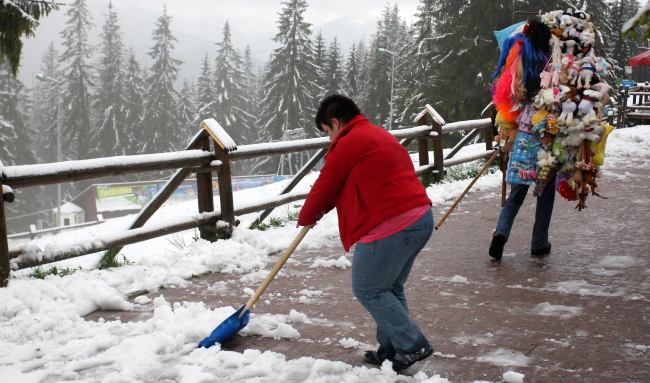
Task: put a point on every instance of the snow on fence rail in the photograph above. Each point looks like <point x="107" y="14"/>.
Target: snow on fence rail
<point x="199" y="158"/>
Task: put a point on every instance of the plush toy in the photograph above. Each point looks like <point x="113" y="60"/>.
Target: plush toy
<point x="571" y="46"/>
<point x="599" y="156"/>
<point x="551" y="124"/>
<point x="506" y="137"/>
<point x="573" y="133"/>
<point x="586" y="106"/>
<point x="587" y="70"/>
<point x="592" y="133"/>
<point x="548" y="99"/>
<point x="566" y="23"/>
<point x="569" y="105"/>
<point x="572" y="66"/>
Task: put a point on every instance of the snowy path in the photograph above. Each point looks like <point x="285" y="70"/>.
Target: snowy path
<point x="577" y="315"/>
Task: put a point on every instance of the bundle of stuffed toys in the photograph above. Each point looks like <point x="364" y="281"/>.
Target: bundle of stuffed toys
<point x="549" y="103"/>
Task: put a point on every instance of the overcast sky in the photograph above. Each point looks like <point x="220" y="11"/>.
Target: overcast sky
<point x="198" y="24"/>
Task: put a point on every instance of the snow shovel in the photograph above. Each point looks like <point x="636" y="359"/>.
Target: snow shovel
<point x="494" y="156"/>
<point x="240" y="318"/>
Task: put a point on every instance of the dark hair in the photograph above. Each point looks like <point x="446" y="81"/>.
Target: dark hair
<point x="335" y="106"/>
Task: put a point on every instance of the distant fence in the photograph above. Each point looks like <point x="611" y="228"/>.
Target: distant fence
<point x="210" y="150"/>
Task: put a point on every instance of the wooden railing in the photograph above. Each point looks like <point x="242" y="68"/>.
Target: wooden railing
<point x="210" y="150"/>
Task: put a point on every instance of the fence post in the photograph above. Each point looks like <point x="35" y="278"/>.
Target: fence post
<point x="438" y="158"/>
<point x="204" y="193"/>
<point x="225" y="191"/>
<point x="5" y="266"/>
<point x="423" y="152"/>
<point x="490" y="113"/>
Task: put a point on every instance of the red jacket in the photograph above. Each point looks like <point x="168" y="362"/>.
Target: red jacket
<point x="368" y="176"/>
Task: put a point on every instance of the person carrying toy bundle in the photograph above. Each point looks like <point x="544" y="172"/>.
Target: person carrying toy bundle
<point x="383" y="208"/>
<point x="549" y="101"/>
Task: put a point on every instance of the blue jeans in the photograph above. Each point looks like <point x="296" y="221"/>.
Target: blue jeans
<point x="379" y="271"/>
<point x="543" y="213"/>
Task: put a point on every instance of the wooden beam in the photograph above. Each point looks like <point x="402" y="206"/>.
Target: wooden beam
<point x="438" y="161"/>
<point x="225" y="193"/>
<point x="204" y="193"/>
<point x="49" y="174"/>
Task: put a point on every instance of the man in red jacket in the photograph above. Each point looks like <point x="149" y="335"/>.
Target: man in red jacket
<point x="383" y="208"/>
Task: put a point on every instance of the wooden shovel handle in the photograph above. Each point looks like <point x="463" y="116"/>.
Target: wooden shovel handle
<point x="276" y="268"/>
<point x="494" y="156"/>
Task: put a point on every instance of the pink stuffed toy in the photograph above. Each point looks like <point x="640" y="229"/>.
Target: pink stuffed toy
<point x="572" y="67"/>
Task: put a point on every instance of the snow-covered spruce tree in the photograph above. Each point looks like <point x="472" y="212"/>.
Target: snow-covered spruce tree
<point x="289" y="83"/>
<point x="186" y="108"/>
<point x="362" y="55"/>
<point x="352" y="73"/>
<point x="229" y="89"/>
<point x="320" y="59"/>
<point x="15" y="146"/>
<point x="418" y="70"/>
<point x="333" y="71"/>
<point x="160" y="124"/>
<point x="78" y="75"/>
<point x="391" y="35"/>
<point x="623" y="47"/>
<point x="205" y="93"/>
<point x="251" y="97"/>
<point x="465" y="54"/>
<point x="44" y="111"/>
<point x="109" y="137"/>
<point x="134" y="104"/>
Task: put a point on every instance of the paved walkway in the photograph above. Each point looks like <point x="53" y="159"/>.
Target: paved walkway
<point x="580" y="314"/>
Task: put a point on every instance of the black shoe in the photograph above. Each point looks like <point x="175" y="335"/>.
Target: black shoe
<point x="398" y="365"/>
<point x="543" y="251"/>
<point x="371" y="357"/>
<point x="496" y="247"/>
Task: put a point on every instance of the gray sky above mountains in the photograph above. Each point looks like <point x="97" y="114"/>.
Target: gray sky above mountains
<point x="198" y="25"/>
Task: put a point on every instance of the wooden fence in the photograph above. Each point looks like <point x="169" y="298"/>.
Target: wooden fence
<point x="638" y="109"/>
<point x="210" y="150"/>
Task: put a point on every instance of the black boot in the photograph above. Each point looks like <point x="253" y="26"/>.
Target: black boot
<point x="543" y="251"/>
<point x="496" y="247"/>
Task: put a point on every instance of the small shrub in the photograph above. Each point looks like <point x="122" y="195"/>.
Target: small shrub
<point x="110" y="262"/>
<point x="41" y="273"/>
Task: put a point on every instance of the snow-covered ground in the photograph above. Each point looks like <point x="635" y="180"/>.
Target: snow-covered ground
<point x="44" y="338"/>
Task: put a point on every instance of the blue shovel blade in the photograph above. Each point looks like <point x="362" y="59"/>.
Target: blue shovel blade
<point x="229" y="327"/>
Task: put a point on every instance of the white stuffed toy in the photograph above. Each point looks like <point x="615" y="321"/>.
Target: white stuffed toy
<point x="592" y="133"/>
<point x="545" y="158"/>
<point x="573" y="133"/>
<point x="566" y="23"/>
<point x="587" y="70"/>
<point x="586" y="106"/>
<point x="569" y="106"/>
<point x="572" y="67"/>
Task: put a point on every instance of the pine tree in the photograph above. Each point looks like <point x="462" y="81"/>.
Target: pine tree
<point x="623" y="47"/>
<point x="352" y="73"/>
<point x="419" y="69"/>
<point x="160" y="122"/>
<point x="392" y="35"/>
<point x="110" y="102"/>
<point x="465" y="58"/>
<point x="79" y="78"/>
<point x="251" y="97"/>
<point x="289" y="83"/>
<point x="333" y="71"/>
<point x="186" y="108"/>
<point x="44" y="116"/>
<point x="229" y="89"/>
<point x="15" y="144"/>
<point x="134" y="104"/>
<point x="205" y="98"/>
<point x="320" y="61"/>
